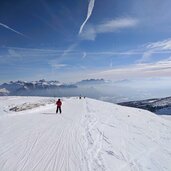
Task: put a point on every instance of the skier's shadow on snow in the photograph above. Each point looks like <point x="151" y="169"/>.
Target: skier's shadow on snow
<point x="49" y="113"/>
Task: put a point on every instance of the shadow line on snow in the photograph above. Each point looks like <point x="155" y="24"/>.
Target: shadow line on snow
<point x="49" y="114"/>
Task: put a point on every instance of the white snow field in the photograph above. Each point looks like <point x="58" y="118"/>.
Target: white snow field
<point x="89" y="135"/>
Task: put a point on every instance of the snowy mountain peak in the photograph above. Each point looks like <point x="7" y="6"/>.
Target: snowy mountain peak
<point x="41" y="87"/>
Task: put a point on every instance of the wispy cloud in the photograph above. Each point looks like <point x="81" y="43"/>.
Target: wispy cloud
<point x="69" y="50"/>
<point x="91" y="31"/>
<point x="35" y="52"/>
<point x="113" y="25"/>
<point x="159" y="47"/>
<point x="11" y="55"/>
<point x="11" y="29"/>
<point x="146" y="56"/>
<point x="158" y="69"/>
<point x="58" y="66"/>
<point x="144" y="52"/>
<point x="84" y="55"/>
<point x="89" y="12"/>
<point x="55" y="63"/>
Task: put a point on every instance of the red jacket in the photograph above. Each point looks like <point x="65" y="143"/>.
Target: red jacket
<point x="59" y="103"/>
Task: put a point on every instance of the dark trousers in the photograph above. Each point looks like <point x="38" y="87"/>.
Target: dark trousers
<point x="58" y="109"/>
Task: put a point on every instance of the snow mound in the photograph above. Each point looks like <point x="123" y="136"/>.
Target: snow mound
<point x="27" y="106"/>
<point x="88" y="135"/>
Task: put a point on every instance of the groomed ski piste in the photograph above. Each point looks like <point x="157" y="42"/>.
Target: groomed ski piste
<point x="89" y="135"/>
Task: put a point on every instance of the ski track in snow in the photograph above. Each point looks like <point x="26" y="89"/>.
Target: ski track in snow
<point x="89" y="135"/>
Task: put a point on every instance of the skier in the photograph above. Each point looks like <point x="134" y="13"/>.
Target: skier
<point x="59" y="104"/>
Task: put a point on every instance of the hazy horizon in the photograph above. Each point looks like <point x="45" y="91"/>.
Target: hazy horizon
<point x="112" y="91"/>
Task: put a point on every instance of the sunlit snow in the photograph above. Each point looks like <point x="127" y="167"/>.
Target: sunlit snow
<point x="89" y="135"/>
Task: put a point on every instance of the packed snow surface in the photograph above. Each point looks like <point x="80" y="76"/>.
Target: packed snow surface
<point x="89" y="135"/>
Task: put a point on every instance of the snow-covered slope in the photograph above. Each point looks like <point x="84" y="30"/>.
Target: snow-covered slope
<point x="160" y="106"/>
<point x="89" y="135"/>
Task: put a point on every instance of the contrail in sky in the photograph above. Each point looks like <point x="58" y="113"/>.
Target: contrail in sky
<point x="9" y="28"/>
<point x="89" y="12"/>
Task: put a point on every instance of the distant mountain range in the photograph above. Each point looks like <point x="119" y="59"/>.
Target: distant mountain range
<point x="92" y="81"/>
<point x="50" y="88"/>
<point x="40" y="87"/>
<point x="157" y="105"/>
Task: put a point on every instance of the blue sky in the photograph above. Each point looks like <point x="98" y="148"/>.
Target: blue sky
<point x="80" y="39"/>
